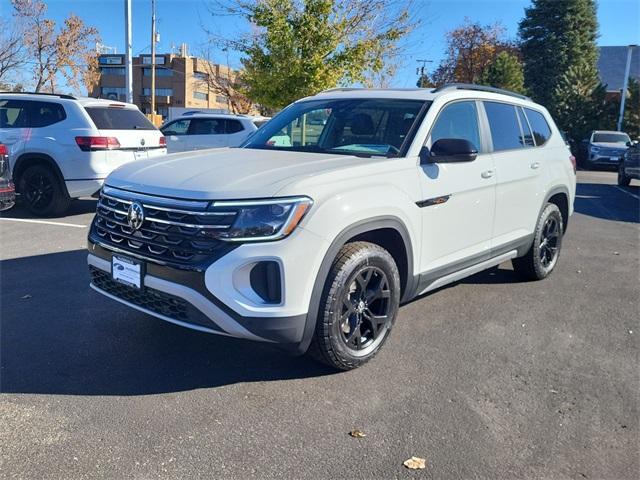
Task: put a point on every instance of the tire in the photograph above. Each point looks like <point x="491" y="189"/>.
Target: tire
<point x="623" y="180"/>
<point x="43" y="192"/>
<point x="542" y="257"/>
<point x="358" y="307"/>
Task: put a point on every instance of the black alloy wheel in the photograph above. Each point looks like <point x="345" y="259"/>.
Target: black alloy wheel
<point x="43" y="192"/>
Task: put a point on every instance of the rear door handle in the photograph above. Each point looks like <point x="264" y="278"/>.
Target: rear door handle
<point x="487" y="174"/>
<point x="535" y="165"/>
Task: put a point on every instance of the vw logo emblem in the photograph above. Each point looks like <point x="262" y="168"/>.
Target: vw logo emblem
<point x="142" y="142"/>
<point x="135" y="215"/>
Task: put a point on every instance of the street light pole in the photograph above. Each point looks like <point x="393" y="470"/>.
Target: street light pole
<point x="153" y="57"/>
<point x="127" y="51"/>
<point x="421" y="71"/>
<point x="625" y="85"/>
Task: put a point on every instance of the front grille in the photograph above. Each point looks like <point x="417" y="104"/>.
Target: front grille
<point x="170" y="235"/>
<point x="150" y="299"/>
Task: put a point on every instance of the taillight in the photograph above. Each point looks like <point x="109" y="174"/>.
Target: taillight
<point x="163" y="141"/>
<point x="572" y="159"/>
<point x="90" y="144"/>
<point x="4" y="150"/>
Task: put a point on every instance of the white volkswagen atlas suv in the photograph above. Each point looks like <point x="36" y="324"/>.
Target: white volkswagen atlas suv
<point x="62" y="147"/>
<point x="377" y="196"/>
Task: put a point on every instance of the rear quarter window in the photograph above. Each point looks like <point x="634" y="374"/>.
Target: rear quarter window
<point x="43" y="114"/>
<point x="111" y="118"/>
<point x="539" y="125"/>
<point x="234" y="126"/>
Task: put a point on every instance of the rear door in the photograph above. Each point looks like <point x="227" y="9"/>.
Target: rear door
<point x="519" y="165"/>
<point x="237" y="132"/>
<point x="207" y="133"/>
<point x="137" y="136"/>
<point x="176" y="133"/>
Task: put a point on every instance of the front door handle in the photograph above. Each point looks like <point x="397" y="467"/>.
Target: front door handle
<point x="535" y="165"/>
<point x="487" y="174"/>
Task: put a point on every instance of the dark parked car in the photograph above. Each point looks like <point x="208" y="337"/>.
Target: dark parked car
<point x="7" y="190"/>
<point x="603" y="149"/>
<point x="630" y="164"/>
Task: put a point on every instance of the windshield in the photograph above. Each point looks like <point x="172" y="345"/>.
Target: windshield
<point x="610" y="138"/>
<point x="363" y="127"/>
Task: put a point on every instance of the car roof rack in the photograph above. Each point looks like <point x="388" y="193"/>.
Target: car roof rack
<point x="480" y="88"/>
<point x="351" y="89"/>
<point x="59" y="95"/>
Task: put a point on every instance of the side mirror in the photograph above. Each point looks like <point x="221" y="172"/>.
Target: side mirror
<point x="449" y="150"/>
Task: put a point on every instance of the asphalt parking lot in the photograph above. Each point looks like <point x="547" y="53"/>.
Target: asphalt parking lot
<point x="488" y="378"/>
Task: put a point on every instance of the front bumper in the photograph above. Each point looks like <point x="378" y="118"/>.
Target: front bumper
<point x="218" y="300"/>
<point x="605" y="159"/>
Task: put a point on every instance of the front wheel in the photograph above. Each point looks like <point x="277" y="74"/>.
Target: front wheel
<point x="623" y="180"/>
<point x="542" y="257"/>
<point x="358" y="307"/>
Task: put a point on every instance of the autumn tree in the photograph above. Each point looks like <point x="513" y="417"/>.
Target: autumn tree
<point x="12" y="52"/>
<point x="631" y="123"/>
<point x="505" y="72"/>
<point x="66" y="51"/>
<point x="301" y="47"/>
<point x="471" y="48"/>
<point x="555" y="36"/>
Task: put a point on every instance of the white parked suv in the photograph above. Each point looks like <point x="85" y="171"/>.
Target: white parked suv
<point x="314" y="245"/>
<point x="199" y="131"/>
<point x="62" y="147"/>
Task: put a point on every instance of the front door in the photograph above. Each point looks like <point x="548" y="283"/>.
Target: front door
<point x="458" y="198"/>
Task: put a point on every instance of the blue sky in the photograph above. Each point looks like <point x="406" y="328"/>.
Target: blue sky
<point x="183" y="20"/>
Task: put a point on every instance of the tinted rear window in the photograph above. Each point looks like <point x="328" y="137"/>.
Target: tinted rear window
<point x="234" y="126"/>
<point x="540" y="127"/>
<point x="119" y="119"/>
<point x="503" y="122"/>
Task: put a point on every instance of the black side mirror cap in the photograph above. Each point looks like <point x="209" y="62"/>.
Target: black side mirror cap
<point x="449" y="150"/>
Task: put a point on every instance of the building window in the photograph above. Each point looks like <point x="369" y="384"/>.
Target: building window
<point x="200" y="76"/>
<point x="200" y="96"/>
<point x="221" y="99"/>
<point x="112" y="92"/>
<point x="160" y="72"/>
<point x="112" y="70"/>
<point x="160" y="92"/>
<point x="115" y="60"/>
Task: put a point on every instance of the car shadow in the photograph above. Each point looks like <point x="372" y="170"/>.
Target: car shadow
<point x="609" y="202"/>
<point x="79" y="206"/>
<point x="58" y="336"/>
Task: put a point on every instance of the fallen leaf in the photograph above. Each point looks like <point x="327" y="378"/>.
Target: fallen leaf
<point x="415" y="463"/>
<point x="25" y="297"/>
<point x="357" y="434"/>
<point x="616" y="253"/>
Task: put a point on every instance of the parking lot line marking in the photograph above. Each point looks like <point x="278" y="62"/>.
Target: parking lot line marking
<point x="629" y="193"/>
<point x="44" y="222"/>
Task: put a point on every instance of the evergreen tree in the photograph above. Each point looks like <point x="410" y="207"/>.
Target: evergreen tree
<point x="631" y="123"/>
<point x="505" y="72"/>
<point x="555" y="36"/>
<point x="580" y="104"/>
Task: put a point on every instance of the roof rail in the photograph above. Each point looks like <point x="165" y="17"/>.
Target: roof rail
<point x="480" y="88"/>
<point x="350" y="89"/>
<point x="59" y="95"/>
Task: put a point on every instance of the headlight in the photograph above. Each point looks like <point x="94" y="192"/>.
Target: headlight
<point x="595" y="149"/>
<point x="260" y="220"/>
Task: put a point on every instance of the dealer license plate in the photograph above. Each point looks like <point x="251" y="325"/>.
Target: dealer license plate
<point x="127" y="271"/>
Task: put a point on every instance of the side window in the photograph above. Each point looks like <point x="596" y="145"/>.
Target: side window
<point x="43" y="114"/>
<point x="179" y="127"/>
<point x="13" y="114"/>
<point x="207" y="126"/>
<point x="540" y="127"/>
<point x="503" y="123"/>
<point x="234" y="126"/>
<point x="458" y="120"/>
<point x="527" y="138"/>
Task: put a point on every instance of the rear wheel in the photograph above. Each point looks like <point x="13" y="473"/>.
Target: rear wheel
<point x="358" y="306"/>
<point x="543" y="255"/>
<point x="43" y="192"/>
<point x="623" y="180"/>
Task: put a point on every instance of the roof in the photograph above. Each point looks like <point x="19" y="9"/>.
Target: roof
<point x="612" y="64"/>
<point x="66" y="98"/>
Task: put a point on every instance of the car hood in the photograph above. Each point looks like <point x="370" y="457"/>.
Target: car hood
<point x="609" y="145"/>
<point x="225" y="173"/>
